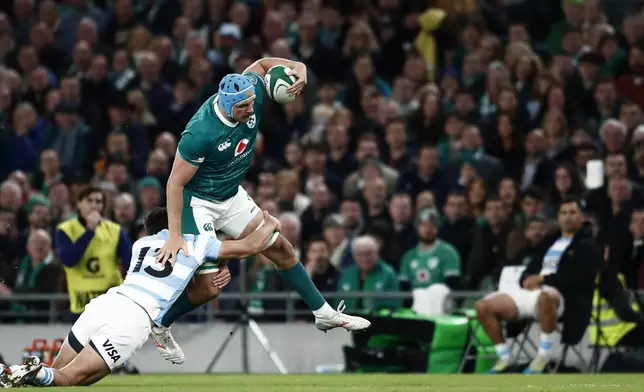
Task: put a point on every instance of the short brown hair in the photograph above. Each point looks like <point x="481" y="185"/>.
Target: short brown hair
<point x="87" y="191"/>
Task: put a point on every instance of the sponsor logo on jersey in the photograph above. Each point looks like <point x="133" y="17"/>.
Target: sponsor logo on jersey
<point x="224" y="145"/>
<point x="241" y="146"/>
<point x="422" y="275"/>
<point x="433" y="262"/>
<point x="111" y="351"/>
<point x="199" y="160"/>
<point x="208" y="227"/>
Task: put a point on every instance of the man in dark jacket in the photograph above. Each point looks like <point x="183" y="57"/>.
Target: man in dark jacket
<point x="557" y="284"/>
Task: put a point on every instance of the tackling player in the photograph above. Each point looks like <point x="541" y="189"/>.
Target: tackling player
<point x="205" y="195"/>
<point x="115" y="325"/>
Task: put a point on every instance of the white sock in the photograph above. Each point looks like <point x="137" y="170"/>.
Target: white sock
<point x="545" y="344"/>
<point x="160" y="329"/>
<point x="502" y="351"/>
<point x="325" y="311"/>
<point x="44" y="377"/>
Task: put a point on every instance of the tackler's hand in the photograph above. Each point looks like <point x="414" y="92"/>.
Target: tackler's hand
<point x="171" y="248"/>
<point x="222" y="277"/>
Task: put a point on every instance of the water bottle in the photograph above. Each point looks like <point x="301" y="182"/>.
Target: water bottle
<point x="330" y="369"/>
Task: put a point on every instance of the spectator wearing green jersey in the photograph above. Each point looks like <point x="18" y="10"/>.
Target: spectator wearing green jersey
<point x="368" y="274"/>
<point x="432" y="261"/>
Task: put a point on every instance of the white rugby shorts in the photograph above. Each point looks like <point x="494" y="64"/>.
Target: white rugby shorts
<point x="114" y="326"/>
<point x="229" y="217"/>
<point x="526" y="300"/>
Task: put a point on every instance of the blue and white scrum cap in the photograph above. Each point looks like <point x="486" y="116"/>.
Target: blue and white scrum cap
<point x="233" y="89"/>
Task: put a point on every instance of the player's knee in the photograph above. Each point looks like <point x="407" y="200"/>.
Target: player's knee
<point x="483" y="308"/>
<point x="547" y="302"/>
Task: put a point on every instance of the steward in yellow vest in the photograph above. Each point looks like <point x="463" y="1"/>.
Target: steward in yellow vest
<point x="615" y="311"/>
<point x="90" y="248"/>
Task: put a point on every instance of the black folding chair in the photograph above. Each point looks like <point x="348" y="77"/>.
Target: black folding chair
<point x="524" y="339"/>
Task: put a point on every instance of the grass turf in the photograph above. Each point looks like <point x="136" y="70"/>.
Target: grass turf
<point x="368" y="383"/>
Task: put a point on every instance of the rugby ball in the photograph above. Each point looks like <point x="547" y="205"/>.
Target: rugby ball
<point x="277" y="81"/>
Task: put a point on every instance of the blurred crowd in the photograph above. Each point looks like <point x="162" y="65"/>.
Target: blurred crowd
<point x="432" y="144"/>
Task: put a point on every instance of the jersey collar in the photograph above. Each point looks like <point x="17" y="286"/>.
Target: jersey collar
<point x="221" y="116"/>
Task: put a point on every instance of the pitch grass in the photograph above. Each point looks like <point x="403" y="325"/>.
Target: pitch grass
<point x="367" y="383"/>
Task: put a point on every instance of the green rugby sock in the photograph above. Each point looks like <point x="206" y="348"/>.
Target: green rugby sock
<point x="299" y="280"/>
<point x="180" y="307"/>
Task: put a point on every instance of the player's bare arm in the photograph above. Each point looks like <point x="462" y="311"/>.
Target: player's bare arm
<point x="298" y="70"/>
<point x="254" y="243"/>
<point x="182" y="172"/>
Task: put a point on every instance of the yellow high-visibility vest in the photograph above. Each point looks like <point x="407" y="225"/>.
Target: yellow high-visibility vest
<point x="98" y="269"/>
<point x="613" y="329"/>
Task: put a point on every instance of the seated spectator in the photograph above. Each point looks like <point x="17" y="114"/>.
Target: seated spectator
<point x="368" y="274"/>
<point x="458" y="224"/>
<point x="556" y="285"/>
<point x="425" y="175"/>
<point x="368" y="155"/>
<point x="627" y="257"/>
<point x="487" y="256"/>
<point x="69" y="137"/>
<point x="432" y="261"/>
<point x="322" y="272"/>
<point x="403" y="233"/>
<point x="38" y="273"/>
<point x="526" y="241"/>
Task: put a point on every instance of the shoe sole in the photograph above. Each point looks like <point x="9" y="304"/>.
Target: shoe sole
<point x="326" y="329"/>
<point x="8" y="380"/>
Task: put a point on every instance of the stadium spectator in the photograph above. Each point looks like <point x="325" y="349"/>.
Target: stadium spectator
<point x="432" y="261"/>
<point x="457" y="227"/>
<point x="322" y="272"/>
<point x="403" y="234"/>
<point x="38" y="272"/>
<point x="368" y="274"/>
<point x="488" y="253"/>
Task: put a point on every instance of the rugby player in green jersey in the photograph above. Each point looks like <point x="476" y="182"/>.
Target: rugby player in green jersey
<point x="205" y="196"/>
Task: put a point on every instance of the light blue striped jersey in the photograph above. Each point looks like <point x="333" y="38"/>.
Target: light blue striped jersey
<point x="155" y="288"/>
<point x="553" y="255"/>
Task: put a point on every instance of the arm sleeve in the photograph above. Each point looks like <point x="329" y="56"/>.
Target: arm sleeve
<point x="70" y="252"/>
<point x="191" y="148"/>
<point x="124" y="249"/>
<point x="212" y="250"/>
<point x="258" y="83"/>
<point x="451" y="263"/>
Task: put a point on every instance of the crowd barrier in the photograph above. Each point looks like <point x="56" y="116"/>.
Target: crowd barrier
<point x="54" y="310"/>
